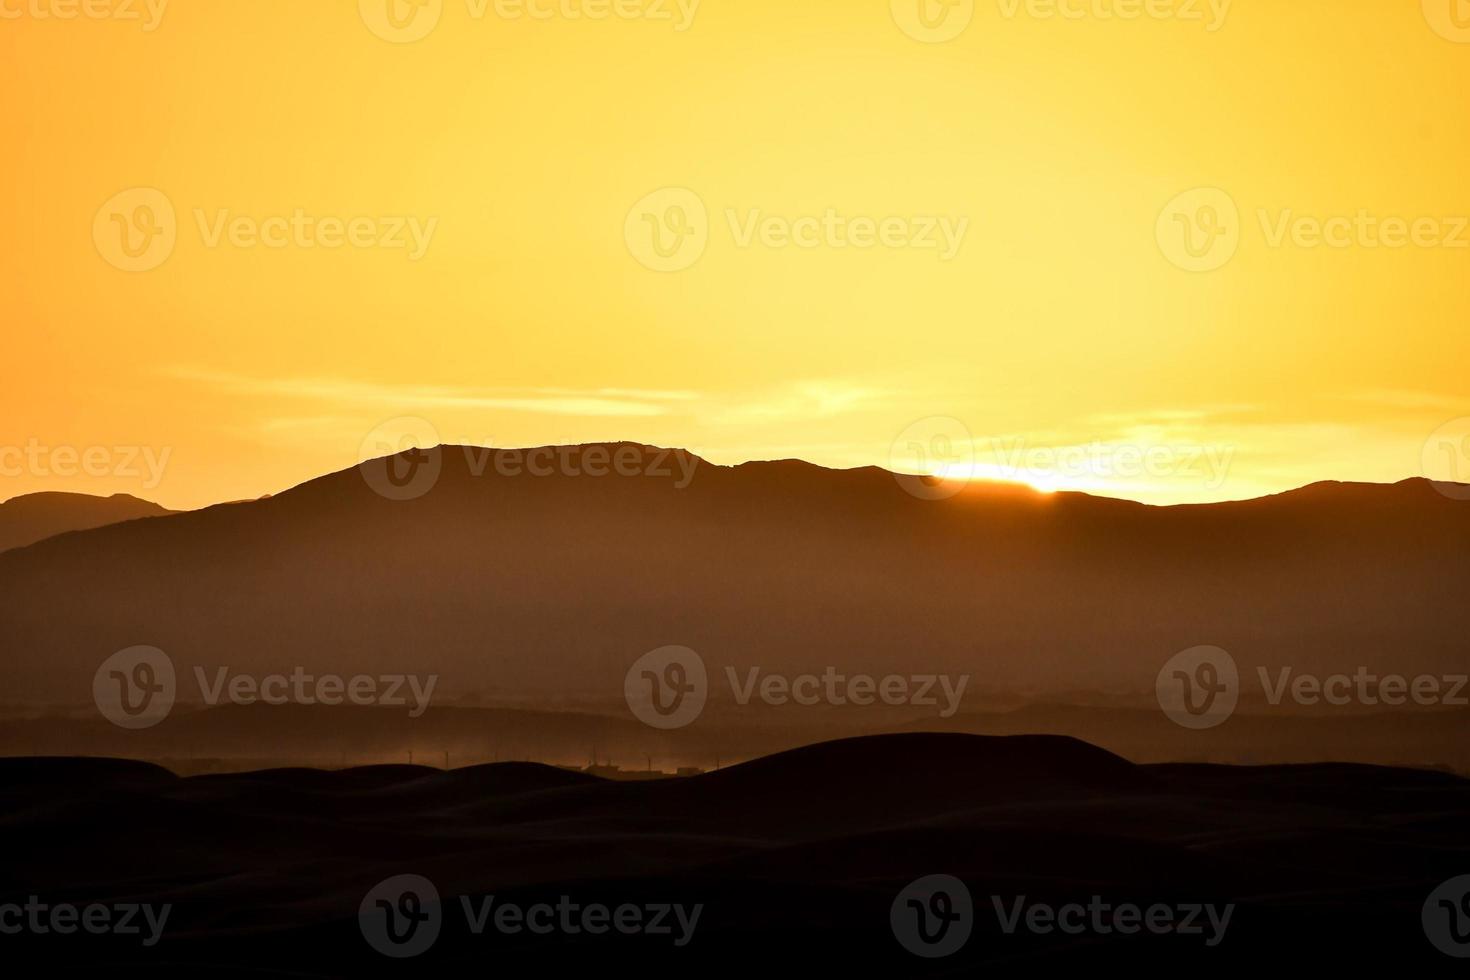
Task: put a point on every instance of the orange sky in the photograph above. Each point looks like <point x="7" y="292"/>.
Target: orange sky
<point x="1210" y="252"/>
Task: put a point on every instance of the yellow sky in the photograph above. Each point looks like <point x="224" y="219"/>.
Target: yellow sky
<point x="1076" y="250"/>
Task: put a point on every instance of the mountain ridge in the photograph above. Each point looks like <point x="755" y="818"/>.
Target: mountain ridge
<point x="523" y="584"/>
<point x="29" y="518"/>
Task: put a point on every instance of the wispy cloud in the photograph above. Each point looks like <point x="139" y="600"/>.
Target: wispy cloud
<point x="597" y="402"/>
<point x="799" y="400"/>
<point x="809" y="399"/>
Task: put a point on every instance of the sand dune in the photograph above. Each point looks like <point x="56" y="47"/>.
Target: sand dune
<point x="801" y="853"/>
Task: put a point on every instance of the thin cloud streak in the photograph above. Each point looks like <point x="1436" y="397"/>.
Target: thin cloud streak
<point x="602" y="402"/>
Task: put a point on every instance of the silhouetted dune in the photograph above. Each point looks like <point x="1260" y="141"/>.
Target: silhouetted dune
<point x="1255" y="733"/>
<point x="357" y="780"/>
<point x="922" y="760"/>
<point x="861" y="784"/>
<point x="479" y="782"/>
<point x="20" y="775"/>
<point x="837" y="783"/>
<point x="797" y="856"/>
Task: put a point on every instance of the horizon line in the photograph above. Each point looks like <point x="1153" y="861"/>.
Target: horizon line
<point x="773" y="461"/>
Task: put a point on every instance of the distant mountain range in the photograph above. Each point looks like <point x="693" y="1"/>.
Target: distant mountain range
<point x="37" y="516"/>
<point x="552" y="585"/>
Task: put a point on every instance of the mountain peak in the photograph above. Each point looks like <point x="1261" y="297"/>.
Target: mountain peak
<point x="33" y="517"/>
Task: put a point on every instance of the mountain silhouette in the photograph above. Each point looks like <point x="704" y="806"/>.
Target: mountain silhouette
<point x="523" y="585"/>
<point x="36" y="516"/>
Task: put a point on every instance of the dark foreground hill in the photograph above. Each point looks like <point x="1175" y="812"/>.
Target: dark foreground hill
<point x="794" y="862"/>
<point x="242" y="737"/>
